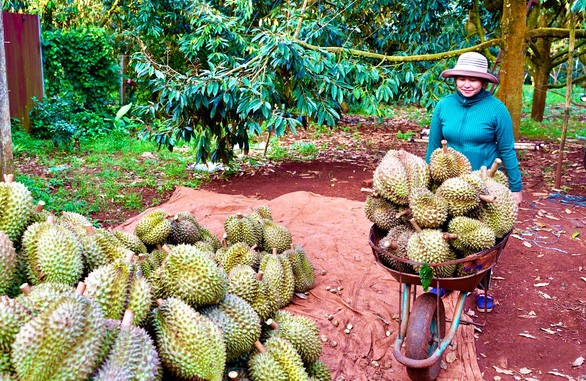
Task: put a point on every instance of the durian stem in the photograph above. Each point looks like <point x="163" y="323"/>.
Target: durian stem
<point x="166" y="249"/>
<point x="128" y="318"/>
<point x="495" y="167"/>
<point x="487" y="198"/>
<point x="160" y="302"/>
<point x="415" y="225"/>
<point x="80" y="289"/>
<point x="129" y="256"/>
<point x="254" y="247"/>
<point x="259" y="347"/>
<point x="259" y="275"/>
<point x="51" y="219"/>
<point x="273" y="324"/>
<point x="141" y="257"/>
<point x="483" y="172"/>
<point x="445" y="146"/>
<point x="89" y="229"/>
<point x="8" y="177"/>
<point x="366" y="190"/>
<point x="25" y="288"/>
<point x="233" y="376"/>
<point x="275" y="251"/>
<point x="391" y="245"/>
<point x="404" y="212"/>
<point x="40" y="206"/>
<point x="450" y="236"/>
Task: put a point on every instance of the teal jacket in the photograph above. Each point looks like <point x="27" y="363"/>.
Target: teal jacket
<point x="481" y="128"/>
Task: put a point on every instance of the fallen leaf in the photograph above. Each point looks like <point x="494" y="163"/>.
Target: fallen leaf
<point x="527" y="335"/>
<point x="540" y="284"/>
<point x="517" y="236"/>
<point x="550" y="331"/>
<point x="525" y="371"/>
<point x="544" y="295"/>
<point x="551" y="217"/>
<point x="527" y="244"/>
<point x="584" y="279"/>
<point x="560" y="374"/>
<point x="578" y="362"/>
<point x="503" y="371"/>
<point x="451" y="357"/>
<point x="568" y="211"/>
<point x="575" y="235"/>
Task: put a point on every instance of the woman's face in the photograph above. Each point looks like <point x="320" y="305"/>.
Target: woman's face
<point x="469" y="86"/>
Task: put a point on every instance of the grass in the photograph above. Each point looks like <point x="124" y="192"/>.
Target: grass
<point x="102" y="174"/>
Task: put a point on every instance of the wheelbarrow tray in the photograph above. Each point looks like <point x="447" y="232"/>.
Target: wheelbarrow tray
<point x="477" y="264"/>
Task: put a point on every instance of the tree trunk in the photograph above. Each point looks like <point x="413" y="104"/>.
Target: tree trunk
<point x="6" y="159"/>
<point x="513" y="26"/>
<point x="540" y="78"/>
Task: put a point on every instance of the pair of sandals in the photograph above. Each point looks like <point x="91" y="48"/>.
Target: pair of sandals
<point x="484" y="303"/>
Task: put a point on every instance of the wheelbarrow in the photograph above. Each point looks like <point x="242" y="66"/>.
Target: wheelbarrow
<point x="422" y="327"/>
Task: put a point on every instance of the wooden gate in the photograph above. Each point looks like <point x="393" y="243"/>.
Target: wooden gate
<point x="24" y="66"/>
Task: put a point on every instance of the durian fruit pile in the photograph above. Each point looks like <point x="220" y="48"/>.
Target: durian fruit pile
<point x="168" y="301"/>
<point x="437" y="212"/>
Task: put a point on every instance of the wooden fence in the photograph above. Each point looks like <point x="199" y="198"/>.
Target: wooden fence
<point x="24" y="66"/>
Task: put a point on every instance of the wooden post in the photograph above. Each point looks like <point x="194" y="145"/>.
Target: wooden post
<point x="558" y="170"/>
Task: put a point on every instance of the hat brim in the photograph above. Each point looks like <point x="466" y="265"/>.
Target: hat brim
<point x="466" y="73"/>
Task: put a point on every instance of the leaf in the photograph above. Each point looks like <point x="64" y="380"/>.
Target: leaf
<point x="575" y="235"/>
<point x="540" y="284"/>
<point x="525" y="371"/>
<point x="578" y="362"/>
<point x="527" y="335"/>
<point x="550" y="331"/>
<point x="426" y="275"/>
<point x="527" y="244"/>
<point x="503" y="371"/>
<point x="123" y="110"/>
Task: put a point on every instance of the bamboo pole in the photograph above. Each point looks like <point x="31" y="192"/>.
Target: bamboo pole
<point x="558" y="171"/>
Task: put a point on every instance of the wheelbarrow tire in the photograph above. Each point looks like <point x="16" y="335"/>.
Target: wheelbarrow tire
<point x="426" y="327"/>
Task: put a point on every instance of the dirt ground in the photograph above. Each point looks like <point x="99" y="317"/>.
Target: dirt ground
<point x="538" y="329"/>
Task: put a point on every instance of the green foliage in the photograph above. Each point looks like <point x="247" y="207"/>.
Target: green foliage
<point x="80" y="62"/>
<point x="426" y="276"/>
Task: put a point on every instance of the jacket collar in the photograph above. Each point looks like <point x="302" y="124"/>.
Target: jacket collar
<point x="467" y="102"/>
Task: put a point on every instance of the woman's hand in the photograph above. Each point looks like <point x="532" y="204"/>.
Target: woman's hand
<point x="518" y="197"/>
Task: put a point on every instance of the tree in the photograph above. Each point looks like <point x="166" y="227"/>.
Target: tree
<point x="6" y="158"/>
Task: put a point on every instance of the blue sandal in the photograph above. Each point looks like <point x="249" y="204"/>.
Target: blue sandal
<point x="484" y="303"/>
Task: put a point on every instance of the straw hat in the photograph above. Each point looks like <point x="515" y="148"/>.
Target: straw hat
<point x="471" y="64"/>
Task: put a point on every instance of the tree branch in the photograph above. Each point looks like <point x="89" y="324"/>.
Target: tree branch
<point x="560" y="85"/>
<point x="553" y="32"/>
<point x="415" y="58"/>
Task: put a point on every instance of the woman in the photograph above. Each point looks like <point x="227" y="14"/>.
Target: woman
<point x="478" y="125"/>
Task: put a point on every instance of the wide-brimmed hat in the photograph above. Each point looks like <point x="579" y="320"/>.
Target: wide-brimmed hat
<point x="471" y="64"/>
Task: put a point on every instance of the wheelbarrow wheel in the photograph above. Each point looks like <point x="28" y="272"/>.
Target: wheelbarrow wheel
<point x="426" y="327"/>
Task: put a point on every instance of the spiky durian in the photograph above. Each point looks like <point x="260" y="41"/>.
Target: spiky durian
<point x="430" y="246"/>
<point x="191" y="275"/>
<point x="299" y="330"/>
<point x="462" y="196"/>
<point x="16" y="206"/>
<point x="38" y="297"/>
<point x="130" y="241"/>
<point x="13" y="315"/>
<point x="207" y="236"/>
<point x="238" y="253"/>
<point x="239" y="322"/>
<point x="446" y="162"/>
<point x="153" y="228"/>
<point x="471" y="235"/>
<point x="133" y="355"/>
<point x="278" y="360"/>
<point x="500" y="214"/>
<point x="189" y="344"/>
<point x="395" y="242"/>
<point x="61" y="343"/>
<point x="303" y="271"/>
<point x="318" y="371"/>
<point x="117" y="287"/>
<point x="8" y="263"/>
<point x="279" y="274"/>
<point x="382" y="212"/>
<point x="111" y="247"/>
<point x="184" y="229"/>
<point x="429" y="210"/>
<point x="241" y="228"/>
<point x="275" y="236"/>
<point x="397" y="173"/>
<point x="54" y="253"/>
